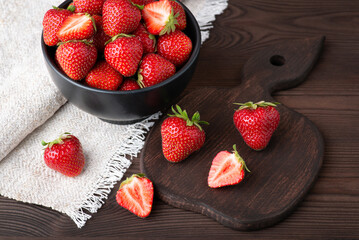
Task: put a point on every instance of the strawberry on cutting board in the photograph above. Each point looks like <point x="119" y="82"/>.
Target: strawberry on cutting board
<point x="136" y="195"/>
<point x="256" y="122"/>
<point x="181" y="136"/>
<point x="52" y="22"/>
<point x="226" y="169"/>
<point x="78" y="26"/>
<point x="76" y="58"/>
<point x="159" y="17"/>
<point x="65" y="155"/>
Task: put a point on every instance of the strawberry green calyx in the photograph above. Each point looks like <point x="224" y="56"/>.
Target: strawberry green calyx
<point x="170" y="24"/>
<point x="252" y="105"/>
<point x="118" y="36"/>
<point x="57" y="140"/>
<point x="129" y="179"/>
<point x="140" y="78"/>
<point x="71" y="8"/>
<point x="240" y="159"/>
<point x="190" y="122"/>
<point x="138" y="6"/>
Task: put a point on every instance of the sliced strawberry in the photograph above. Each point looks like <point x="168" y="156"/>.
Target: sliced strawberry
<point x="227" y="169"/>
<point x="159" y="17"/>
<point x="78" y="26"/>
<point x="136" y="195"/>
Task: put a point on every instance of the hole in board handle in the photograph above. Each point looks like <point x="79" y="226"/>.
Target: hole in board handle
<point x="277" y="60"/>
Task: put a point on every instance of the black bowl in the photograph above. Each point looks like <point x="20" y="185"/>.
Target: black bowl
<point x="124" y="107"/>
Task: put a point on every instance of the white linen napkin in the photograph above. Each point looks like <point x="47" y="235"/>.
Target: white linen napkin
<point x="32" y="109"/>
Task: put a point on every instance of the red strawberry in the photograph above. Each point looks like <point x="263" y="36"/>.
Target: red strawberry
<point x="226" y="169"/>
<point x="103" y="76"/>
<point x="91" y="7"/>
<point x="136" y="195"/>
<point x="76" y="58"/>
<point x="181" y="136"/>
<point x="78" y="26"/>
<point x="256" y="122"/>
<point x="154" y="69"/>
<point x="100" y="38"/>
<point x="65" y="155"/>
<point x="181" y="15"/>
<point x="159" y="17"/>
<point x="128" y="85"/>
<point x="148" y="1"/>
<point x="176" y="47"/>
<point x="52" y="22"/>
<point x="138" y="2"/>
<point x="120" y="16"/>
<point x="148" y="40"/>
<point x="124" y="54"/>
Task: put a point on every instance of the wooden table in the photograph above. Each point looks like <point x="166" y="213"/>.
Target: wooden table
<point x="329" y="98"/>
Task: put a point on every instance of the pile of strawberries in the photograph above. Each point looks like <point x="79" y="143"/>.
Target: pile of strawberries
<point x="118" y="44"/>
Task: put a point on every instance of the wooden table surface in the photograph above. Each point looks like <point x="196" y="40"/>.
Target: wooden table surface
<point x="329" y="98"/>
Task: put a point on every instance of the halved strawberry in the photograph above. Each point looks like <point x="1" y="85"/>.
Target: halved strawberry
<point x="227" y="169"/>
<point x="136" y="195"/>
<point x="159" y="17"/>
<point x="78" y="26"/>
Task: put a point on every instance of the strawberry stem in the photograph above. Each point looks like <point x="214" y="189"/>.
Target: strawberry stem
<point x="240" y="159"/>
<point x="118" y="36"/>
<point x="71" y="8"/>
<point x="254" y="106"/>
<point x="170" y="24"/>
<point x="189" y="122"/>
<point x="57" y="140"/>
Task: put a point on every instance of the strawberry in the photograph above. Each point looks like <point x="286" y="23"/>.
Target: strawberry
<point x="159" y="17"/>
<point x="103" y="76"/>
<point x="226" y="169"/>
<point x="124" y="54"/>
<point x="181" y="136"/>
<point x="181" y="15"/>
<point x="136" y="195"/>
<point x="176" y="47"/>
<point x="256" y="122"/>
<point x="120" y="16"/>
<point x="128" y="85"/>
<point x="154" y="69"/>
<point x="148" y="1"/>
<point x="76" y="58"/>
<point x="138" y="2"/>
<point x="78" y="26"/>
<point x="65" y="155"/>
<point x="100" y="38"/>
<point x="148" y="40"/>
<point x="52" y="22"/>
<point x="91" y="7"/>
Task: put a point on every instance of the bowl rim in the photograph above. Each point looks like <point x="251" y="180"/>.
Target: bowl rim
<point x="191" y="60"/>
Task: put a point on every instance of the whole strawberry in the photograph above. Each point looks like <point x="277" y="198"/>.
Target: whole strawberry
<point x="136" y="195"/>
<point x="129" y="85"/>
<point x="148" y="40"/>
<point x="91" y="7"/>
<point x="154" y="69"/>
<point x="159" y="17"/>
<point x="176" y="47"/>
<point x="52" y="22"/>
<point x="78" y="26"/>
<point x="103" y="76"/>
<point x="120" y="16"/>
<point x="76" y="58"/>
<point x="100" y="38"/>
<point x="181" y="136"/>
<point x="226" y="169"/>
<point x="256" y="122"/>
<point x="180" y="13"/>
<point x="65" y="155"/>
<point x="124" y="54"/>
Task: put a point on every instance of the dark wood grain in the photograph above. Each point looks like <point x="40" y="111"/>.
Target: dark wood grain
<point x="280" y="175"/>
<point x="329" y="98"/>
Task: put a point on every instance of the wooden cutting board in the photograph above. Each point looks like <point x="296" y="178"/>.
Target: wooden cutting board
<point x="280" y="175"/>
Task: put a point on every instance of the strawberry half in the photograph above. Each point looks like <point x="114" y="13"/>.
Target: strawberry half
<point x="78" y="26"/>
<point x="103" y="76"/>
<point x="136" y="195"/>
<point x="256" y="122"/>
<point x="226" y="169"/>
<point x="181" y="136"/>
<point x="159" y="17"/>
<point x="65" y="155"/>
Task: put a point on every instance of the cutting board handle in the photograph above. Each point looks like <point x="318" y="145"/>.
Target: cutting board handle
<point x="280" y="66"/>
